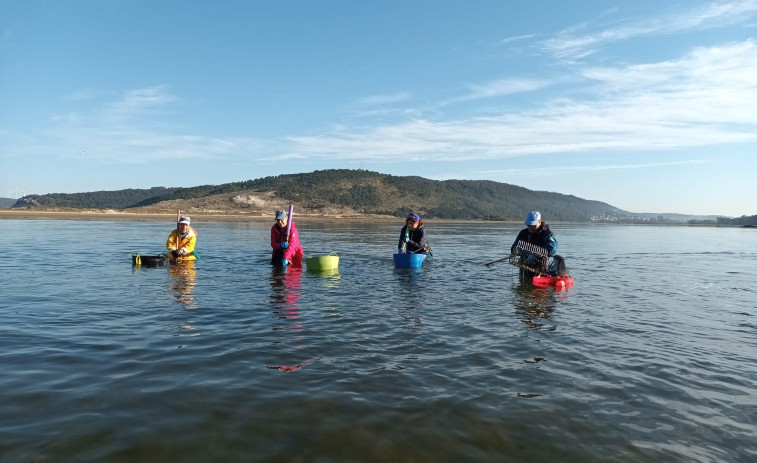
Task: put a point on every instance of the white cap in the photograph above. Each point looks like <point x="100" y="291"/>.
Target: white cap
<point x="184" y="220"/>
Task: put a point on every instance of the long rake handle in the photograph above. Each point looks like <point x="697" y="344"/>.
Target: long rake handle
<point x="495" y="261"/>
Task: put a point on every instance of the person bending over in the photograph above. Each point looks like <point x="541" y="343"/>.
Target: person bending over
<point x="286" y="249"/>
<point x="413" y="236"/>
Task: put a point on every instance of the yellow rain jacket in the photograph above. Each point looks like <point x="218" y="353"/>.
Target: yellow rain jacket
<point x="186" y="244"/>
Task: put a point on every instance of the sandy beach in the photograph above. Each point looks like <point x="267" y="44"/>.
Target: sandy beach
<point x="197" y="217"/>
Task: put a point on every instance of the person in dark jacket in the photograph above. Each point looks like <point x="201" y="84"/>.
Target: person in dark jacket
<point x="413" y="236"/>
<point x="539" y="234"/>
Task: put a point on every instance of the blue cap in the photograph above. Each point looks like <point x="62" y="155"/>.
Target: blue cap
<point x="533" y="218"/>
<point x="281" y="214"/>
<point x="414" y="217"/>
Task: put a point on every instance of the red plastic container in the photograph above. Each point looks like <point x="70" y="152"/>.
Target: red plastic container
<point x="543" y="280"/>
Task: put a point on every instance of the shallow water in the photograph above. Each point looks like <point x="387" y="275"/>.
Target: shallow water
<point x="651" y="356"/>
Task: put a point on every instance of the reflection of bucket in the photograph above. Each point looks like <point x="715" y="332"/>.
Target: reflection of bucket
<point x="409" y="260"/>
<point x="321" y="263"/>
<point x="147" y="261"/>
<point x="332" y="273"/>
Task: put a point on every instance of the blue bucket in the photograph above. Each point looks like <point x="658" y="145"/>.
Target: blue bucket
<point x="409" y="260"/>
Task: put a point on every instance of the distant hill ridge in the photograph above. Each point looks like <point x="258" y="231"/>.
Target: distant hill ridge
<point x="362" y="191"/>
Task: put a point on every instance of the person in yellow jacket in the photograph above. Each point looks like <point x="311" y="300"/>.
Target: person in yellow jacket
<point x="181" y="242"/>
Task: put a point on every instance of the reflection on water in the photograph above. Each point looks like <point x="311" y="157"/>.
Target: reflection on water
<point x="647" y="358"/>
<point x="534" y="305"/>
<point x="182" y="279"/>
<point x="331" y="274"/>
<point x="328" y="284"/>
<point x="285" y="292"/>
<point x="411" y="291"/>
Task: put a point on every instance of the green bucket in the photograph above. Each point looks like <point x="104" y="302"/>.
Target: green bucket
<point x="330" y="262"/>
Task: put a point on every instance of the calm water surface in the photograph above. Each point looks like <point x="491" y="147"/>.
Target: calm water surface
<point x="651" y="356"/>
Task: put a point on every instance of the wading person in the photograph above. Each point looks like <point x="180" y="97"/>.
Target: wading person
<point x="286" y="249"/>
<point x="537" y="233"/>
<point x="413" y="236"/>
<point x="181" y="242"/>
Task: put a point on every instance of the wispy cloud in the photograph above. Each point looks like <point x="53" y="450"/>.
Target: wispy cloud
<point x="85" y="95"/>
<point x="381" y="100"/>
<point x="570" y="44"/>
<point x="539" y="172"/>
<point x="517" y="38"/>
<point x="501" y="87"/>
<point x="703" y="98"/>
<point x="131" y="129"/>
<point x="139" y="100"/>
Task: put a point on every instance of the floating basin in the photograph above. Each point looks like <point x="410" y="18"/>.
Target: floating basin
<point x="320" y="263"/>
<point x="409" y="260"/>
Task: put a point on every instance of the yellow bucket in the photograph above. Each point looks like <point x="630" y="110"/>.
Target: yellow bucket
<point x="329" y="262"/>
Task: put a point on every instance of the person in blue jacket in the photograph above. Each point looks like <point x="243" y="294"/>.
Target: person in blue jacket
<point x="413" y="236"/>
<point x="538" y="233"/>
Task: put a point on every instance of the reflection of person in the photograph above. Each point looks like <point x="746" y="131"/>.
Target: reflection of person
<point x="286" y="293"/>
<point x="534" y="306"/>
<point x="183" y="283"/>
<point x="538" y="233"/>
<point x="286" y="249"/>
<point x="413" y="236"/>
<point x="181" y="242"/>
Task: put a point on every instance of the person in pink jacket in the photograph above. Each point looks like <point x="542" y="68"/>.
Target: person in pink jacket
<point x="286" y="250"/>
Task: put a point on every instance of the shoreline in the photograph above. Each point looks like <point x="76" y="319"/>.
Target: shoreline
<point x="112" y="215"/>
<point x="200" y="217"/>
<point x="120" y="216"/>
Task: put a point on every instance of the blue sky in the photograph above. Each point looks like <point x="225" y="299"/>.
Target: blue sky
<point x="649" y="106"/>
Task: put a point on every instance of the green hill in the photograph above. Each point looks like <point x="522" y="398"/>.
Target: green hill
<point x="118" y="199"/>
<point x="363" y="191"/>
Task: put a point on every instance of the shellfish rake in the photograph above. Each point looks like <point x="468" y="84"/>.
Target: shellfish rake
<point x="530" y="257"/>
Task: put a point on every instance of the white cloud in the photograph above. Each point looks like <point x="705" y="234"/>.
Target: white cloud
<point x="571" y="45"/>
<point x="137" y="101"/>
<point x="539" y="172"/>
<point x="502" y="87"/>
<point x="516" y="38"/>
<point x="704" y="98"/>
<point x="84" y="95"/>
<point x="380" y="100"/>
<point x="130" y="130"/>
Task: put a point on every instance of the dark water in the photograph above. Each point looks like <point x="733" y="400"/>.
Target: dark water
<point x="651" y="356"/>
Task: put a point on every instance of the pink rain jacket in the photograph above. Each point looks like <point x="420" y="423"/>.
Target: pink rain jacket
<point x="278" y="235"/>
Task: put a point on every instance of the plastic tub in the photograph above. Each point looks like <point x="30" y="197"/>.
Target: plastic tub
<point x="320" y="263"/>
<point x="543" y="280"/>
<point x="147" y="261"/>
<point x="409" y="260"/>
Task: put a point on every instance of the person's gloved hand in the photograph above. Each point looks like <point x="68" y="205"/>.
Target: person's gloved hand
<point x="407" y="239"/>
<point x="284" y="245"/>
<point x="284" y="262"/>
